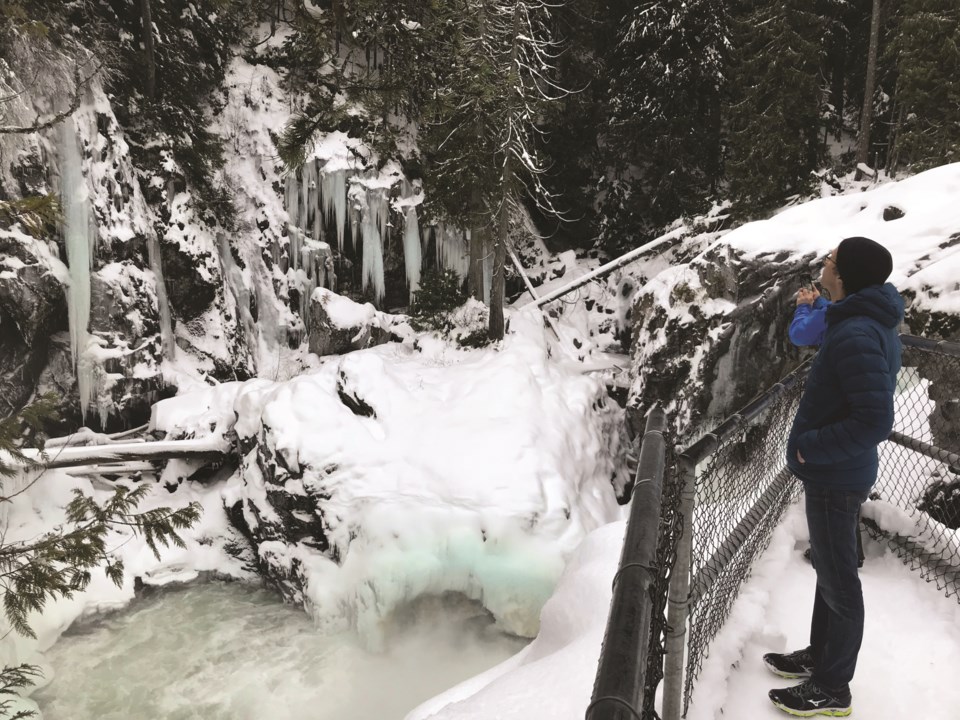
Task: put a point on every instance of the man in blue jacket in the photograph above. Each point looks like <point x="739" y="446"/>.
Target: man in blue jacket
<point x="807" y="329"/>
<point x="846" y="411"/>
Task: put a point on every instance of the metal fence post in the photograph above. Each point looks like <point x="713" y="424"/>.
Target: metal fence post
<point x="678" y="600"/>
<point x="621" y="671"/>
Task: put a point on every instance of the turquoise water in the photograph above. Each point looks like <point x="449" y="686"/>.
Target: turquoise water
<point x="219" y="651"/>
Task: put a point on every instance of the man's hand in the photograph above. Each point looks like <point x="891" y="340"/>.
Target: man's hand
<point x="800" y="458"/>
<point x="807" y="296"/>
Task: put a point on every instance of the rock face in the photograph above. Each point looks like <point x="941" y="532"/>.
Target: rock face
<point x="32" y="310"/>
<point x="711" y="334"/>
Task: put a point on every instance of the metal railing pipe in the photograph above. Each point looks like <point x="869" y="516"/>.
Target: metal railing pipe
<point x="924" y="448"/>
<point x="678" y="600"/>
<point x="618" y="690"/>
<point x="945" y="346"/>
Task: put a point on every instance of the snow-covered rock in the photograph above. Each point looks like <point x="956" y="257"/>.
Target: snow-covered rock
<point x="32" y="309"/>
<point x="339" y="325"/>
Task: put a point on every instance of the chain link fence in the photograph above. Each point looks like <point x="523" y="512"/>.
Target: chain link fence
<point x="741" y="487"/>
<point x="740" y="491"/>
<point x="916" y="501"/>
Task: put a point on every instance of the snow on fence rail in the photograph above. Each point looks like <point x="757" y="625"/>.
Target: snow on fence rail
<point x="724" y="495"/>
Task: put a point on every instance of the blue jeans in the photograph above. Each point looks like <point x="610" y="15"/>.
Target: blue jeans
<point x="836" y="630"/>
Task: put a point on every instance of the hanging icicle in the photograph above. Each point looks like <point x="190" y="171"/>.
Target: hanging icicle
<point x="412" y="253"/>
<point x="333" y="187"/>
<point x="453" y="249"/>
<point x="373" y="231"/>
<point x="79" y="236"/>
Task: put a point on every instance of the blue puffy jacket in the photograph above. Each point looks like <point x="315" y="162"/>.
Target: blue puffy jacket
<point x="847" y="405"/>
<point x="809" y="323"/>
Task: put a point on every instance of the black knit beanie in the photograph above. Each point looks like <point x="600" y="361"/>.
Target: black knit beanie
<point x="862" y="262"/>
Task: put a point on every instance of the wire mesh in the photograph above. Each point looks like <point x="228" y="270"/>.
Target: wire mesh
<point x="743" y="488"/>
<point x="740" y="497"/>
<point x="916" y="508"/>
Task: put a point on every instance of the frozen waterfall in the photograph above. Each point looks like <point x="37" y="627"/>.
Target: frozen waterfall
<point x="79" y="236"/>
<point x="453" y="249"/>
<point x="317" y="200"/>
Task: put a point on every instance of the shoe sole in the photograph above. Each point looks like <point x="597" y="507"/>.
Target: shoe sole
<point x="829" y="712"/>
<point x="786" y="675"/>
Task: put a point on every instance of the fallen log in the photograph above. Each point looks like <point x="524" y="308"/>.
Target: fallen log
<point x="667" y="239"/>
<point x="210" y="448"/>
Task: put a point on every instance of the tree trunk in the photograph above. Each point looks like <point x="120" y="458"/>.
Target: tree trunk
<point x="866" y="116"/>
<point x="478" y="247"/>
<point x="496" y="328"/>
<point x="151" y="87"/>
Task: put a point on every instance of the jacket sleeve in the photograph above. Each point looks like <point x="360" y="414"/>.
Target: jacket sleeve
<point x="809" y="323"/>
<point x="867" y="388"/>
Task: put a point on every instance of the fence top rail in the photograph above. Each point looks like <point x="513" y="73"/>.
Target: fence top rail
<point x="707" y="444"/>
<point x="943" y="346"/>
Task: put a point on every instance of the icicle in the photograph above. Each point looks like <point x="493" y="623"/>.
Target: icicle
<point x="412" y="257"/>
<point x="168" y="345"/>
<point x="291" y="198"/>
<point x="340" y="204"/>
<point x="79" y="235"/>
<point x="374" y="225"/>
<point x="334" y="191"/>
<point x="453" y="249"/>
<point x="308" y="197"/>
<point x="355" y="222"/>
<point x="295" y="237"/>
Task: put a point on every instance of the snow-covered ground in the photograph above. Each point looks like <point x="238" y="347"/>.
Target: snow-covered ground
<point x="911" y="646"/>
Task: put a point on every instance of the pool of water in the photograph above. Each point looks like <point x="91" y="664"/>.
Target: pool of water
<point x="228" y="651"/>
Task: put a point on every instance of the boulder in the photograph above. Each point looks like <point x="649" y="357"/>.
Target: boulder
<point x="339" y="325"/>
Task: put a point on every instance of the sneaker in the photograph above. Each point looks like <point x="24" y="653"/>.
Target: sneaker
<point x="792" y="666"/>
<point x="808" y="699"/>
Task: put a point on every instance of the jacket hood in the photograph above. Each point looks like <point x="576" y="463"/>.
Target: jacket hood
<point x="878" y="302"/>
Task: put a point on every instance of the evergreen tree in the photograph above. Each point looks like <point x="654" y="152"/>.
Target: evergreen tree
<point x="573" y="125"/>
<point x="488" y="113"/>
<point x="926" y="49"/>
<point x="167" y="82"/>
<point x="664" y="120"/>
<point x="775" y="102"/>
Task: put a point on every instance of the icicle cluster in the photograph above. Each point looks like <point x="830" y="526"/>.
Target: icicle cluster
<point x="373" y="224"/>
<point x="316" y="200"/>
